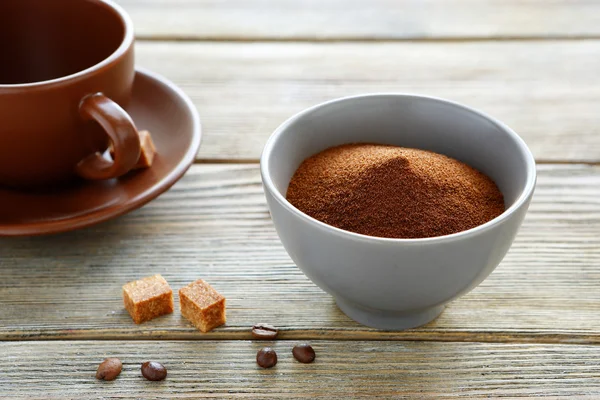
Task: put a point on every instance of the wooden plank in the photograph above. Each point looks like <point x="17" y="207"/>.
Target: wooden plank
<point x="363" y="19"/>
<point x="547" y="91"/>
<point x="214" y="224"/>
<point x="226" y="369"/>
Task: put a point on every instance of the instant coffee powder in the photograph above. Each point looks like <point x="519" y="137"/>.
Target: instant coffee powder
<point x="393" y="192"/>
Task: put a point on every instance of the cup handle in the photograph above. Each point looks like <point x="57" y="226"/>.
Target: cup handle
<point x="122" y="133"/>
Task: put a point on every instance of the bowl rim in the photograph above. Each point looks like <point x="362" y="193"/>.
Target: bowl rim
<point x="517" y="204"/>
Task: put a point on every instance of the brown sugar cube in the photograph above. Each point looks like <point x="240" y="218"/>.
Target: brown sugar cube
<point x="202" y="305"/>
<point x="148" y="151"/>
<point x="148" y="298"/>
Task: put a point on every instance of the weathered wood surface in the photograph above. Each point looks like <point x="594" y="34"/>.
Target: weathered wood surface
<point x="214" y="224"/>
<point x="356" y="369"/>
<point x="549" y="92"/>
<point x="362" y="19"/>
<point x="531" y="329"/>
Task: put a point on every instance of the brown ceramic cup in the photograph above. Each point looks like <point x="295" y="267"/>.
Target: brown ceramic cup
<point x="66" y="73"/>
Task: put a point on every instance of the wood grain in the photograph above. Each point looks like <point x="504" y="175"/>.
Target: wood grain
<point x="547" y="91"/>
<point x="362" y="19"/>
<point x="214" y="224"/>
<point x="226" y="369"/>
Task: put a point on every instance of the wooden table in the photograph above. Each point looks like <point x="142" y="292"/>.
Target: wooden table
<point x="531" y="329"/>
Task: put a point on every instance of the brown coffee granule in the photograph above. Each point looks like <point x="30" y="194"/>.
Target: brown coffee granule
<point x="393" y="192"/>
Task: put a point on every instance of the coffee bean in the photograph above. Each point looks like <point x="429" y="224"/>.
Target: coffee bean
<point x="304" y="353"/>
<point x="266" y="357"/>
<point x="264" y="331"/>
<point x="109" y="369"/>
<point x="154" y="371"/>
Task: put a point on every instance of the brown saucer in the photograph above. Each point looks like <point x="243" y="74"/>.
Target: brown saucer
<point x="158" y="106"/>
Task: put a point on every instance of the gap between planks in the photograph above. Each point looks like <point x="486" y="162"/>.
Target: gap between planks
<point x="257" y="161"/>
<point x="566" y="338"/>
<point x="227" y="161"/>
<point x="358" y="39"/>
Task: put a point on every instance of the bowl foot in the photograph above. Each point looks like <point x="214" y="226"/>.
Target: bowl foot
<point x="388" y="320"/>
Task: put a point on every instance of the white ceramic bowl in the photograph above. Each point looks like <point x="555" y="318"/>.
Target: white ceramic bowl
<point x="397" y="283"/>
